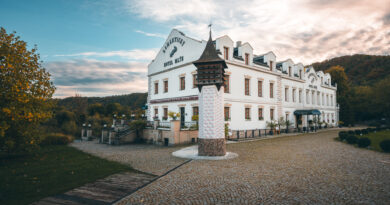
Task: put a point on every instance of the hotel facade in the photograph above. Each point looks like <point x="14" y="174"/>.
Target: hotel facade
<point x="257" y="88"/>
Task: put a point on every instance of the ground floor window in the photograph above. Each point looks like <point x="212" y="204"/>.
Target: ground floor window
<point x="155" y="112"/>
<point x="271" y="114"/>
<point x="247" y="113"/>
<point x="195" y="111"/>
<point x="261" y="114"/>
<point x="165" y="117"/>
<point x="227" y="113"/>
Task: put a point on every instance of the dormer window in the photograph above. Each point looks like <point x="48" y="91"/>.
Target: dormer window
<point x="226" y="53"/>
<point x="246" y="58"/>
<point x="300" y="74"/>
<point x="270" y="65"/>
<point x="289" y="71"/>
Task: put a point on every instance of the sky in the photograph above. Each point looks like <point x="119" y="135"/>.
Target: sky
<point x="103" y="47"/>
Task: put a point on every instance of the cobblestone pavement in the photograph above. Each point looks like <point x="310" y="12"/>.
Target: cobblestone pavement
<point x="152" y="159"/>
<point x="302" y="169"/>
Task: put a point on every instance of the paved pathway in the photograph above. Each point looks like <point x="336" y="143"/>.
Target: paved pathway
<point x="101" y="192"/>
<point x="302" y="169"/>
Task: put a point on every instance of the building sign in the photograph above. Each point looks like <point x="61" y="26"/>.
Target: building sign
<point x="178" y="40"/>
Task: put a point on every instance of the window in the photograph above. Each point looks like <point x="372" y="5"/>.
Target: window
<point x="331" y="100"/>
<point x="327" y="100"/>
<point x="227" y="84"/>
<point x="165" y="86"/>
<point x="194" y="78"/>
<point x="307" y="97"/>
<point x="271" y="114"/>
<point x="156" y="88"/>
<point x="287" y="115"/>
<point x="195" y="111"/>
<point x="165" y="117"/>
<point x="293" y="95"/>
<point x="270" y="65"/>
<point x="313" y="98"/>
<point x="246" y="86"/>
<point x="227" y="113"/>
<point x="155" y="112"/>
<point x="260" y="88"/>
<point x="300" y="96"/>
<point x="226" y="53"/>
<point x="318" y="98"/>
<point x="286" y="94"/>
<point x="182" y="83"/>
<point x="289" y="71"/>
<point x="271" y="90"/>
<point x="246" y="58"/>
<point x="261" y="114"/>
<point x="322" y="80"/>
<point x="323" y="99"/>
<point x="247" y="113"/>
<point x="300" y="74"/>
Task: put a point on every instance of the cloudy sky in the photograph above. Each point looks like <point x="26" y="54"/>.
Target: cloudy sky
<point x="101" y="48"/>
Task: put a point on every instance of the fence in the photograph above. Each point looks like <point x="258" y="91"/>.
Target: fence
<point x="258" y="133"/>
<point x="166" y="125"/>
<point x="193" y="125"/>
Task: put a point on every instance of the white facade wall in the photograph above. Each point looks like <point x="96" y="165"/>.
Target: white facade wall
<point x="236" y="98"/>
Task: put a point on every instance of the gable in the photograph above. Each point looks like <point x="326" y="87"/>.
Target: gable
<point x="177" y="50"/>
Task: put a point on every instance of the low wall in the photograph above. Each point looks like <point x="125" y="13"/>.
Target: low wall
<point x="170" y="137"/>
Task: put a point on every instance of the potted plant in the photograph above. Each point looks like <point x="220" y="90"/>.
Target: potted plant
<point x="280" y="123"/>
<point x="288" y="123"/>
<point x="173" y="115"/>
<point x="271" y="125"/>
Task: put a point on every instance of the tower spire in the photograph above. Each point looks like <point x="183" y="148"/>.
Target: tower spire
<point x="210" y="29"/>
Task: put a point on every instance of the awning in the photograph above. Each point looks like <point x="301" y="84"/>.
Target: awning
<point x="307" y="112"/>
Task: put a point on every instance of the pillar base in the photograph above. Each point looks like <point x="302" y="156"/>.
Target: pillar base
<point x="211" y="147"/>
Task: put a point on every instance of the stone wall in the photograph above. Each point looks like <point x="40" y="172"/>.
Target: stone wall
<point x="174" y="136"/>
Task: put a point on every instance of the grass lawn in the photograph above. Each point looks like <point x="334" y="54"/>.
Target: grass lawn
<point x="377" y="138"/>
<point x="49" y="171"/>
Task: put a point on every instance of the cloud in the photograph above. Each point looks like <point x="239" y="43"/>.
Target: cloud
<point x="136" y="54"/>
<point x="304" y="30"/>
<point x="90" y="77"/>
<point x="151" y="34"/>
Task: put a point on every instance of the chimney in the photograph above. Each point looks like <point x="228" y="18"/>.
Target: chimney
<point x="238" y="44"/>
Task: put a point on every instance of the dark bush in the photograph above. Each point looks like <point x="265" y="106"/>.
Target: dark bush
<point x="364" y="131"/>
<point x="57" y="139"/>
<point x="351" y="132"/>
<point x="351" y="139"/>
<point x="358" y="132"/>
<point x="363" y="142"/>
<point x="342" y="135"/>
<point x="385" y="145"/>
<point x="370" y="129"/>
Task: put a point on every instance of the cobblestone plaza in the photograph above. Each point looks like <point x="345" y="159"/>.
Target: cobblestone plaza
<point x="302" y="169"/>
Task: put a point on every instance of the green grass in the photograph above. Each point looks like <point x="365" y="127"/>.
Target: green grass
<point x="49" y="171"/>
<point x="377" y="138"/>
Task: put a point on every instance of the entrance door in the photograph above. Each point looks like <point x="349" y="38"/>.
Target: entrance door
<point x="182" y="116"/>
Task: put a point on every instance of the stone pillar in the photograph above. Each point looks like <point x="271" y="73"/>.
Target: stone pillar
<point x="104" y="133"/>
<point x="84" y="132"/>
<point x="175" y="130"/>
<point x="111" y="135"/>
<point x="211" y="138"/>
<point x="155" y="124"/>
<point x="89" y="132"/>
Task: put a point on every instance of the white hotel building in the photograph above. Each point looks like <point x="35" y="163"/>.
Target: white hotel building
<point x="258" y="88"/>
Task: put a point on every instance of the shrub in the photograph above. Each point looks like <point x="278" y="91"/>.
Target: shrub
<point x="351" y="132"/>
<point x="358" y="132"/>
<point x="385" y="145"/>
<point x="57" y="139"/>
<point x="342" y="135"/>
<point x="351" y="139"/>
<point x="363" y="142"/>
<point x="364" y="131"/>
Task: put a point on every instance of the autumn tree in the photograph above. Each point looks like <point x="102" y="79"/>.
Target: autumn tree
<point x="343" y="93"/>
<point x="25" y="94"/>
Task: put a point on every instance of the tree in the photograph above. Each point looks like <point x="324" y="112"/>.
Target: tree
<point x="25" y="93"/>
<point x="343" y="93"/>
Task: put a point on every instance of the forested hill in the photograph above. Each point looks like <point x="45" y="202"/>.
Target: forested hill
<point x="360" y="69"/>
<point x="133" y="100"/>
